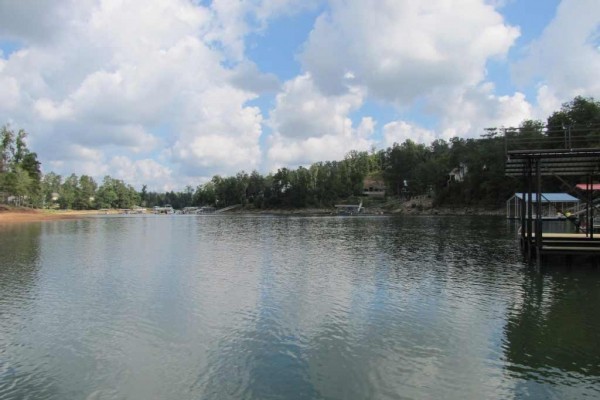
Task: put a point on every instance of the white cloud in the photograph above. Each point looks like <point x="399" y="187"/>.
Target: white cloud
<point x="218" y="134"/>
<point x="402" y="49"/>
<point x="108" y="84"/>
<point x="146" y="171"/>
<point x="10" y="95"/>
<point x="246" y="76"/>
<point x="128" y="78"/>
<point x="464" y="112"/>
<point x="234" y="19"/>
<point x="309" y="126"/>
<point x="82" y="153"/>
<point x="565" y="59"/>
<point x="80" y="160"/>
<point x="50" y="111"/>
<point x="34" y="21"/>
<point x="302" y="111"/>
<point x="547" y="102"/>
<point x="400" y="131"/>
<point x="468" y="111"/>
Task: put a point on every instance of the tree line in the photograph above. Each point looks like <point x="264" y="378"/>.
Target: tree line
<point x="407" y="169"/>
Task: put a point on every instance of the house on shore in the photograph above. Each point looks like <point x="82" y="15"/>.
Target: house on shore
<point x="374" y="186"/>
<point x="458" y="174"/>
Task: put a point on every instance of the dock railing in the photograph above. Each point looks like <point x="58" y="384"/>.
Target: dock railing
<point x="552" y="138"/>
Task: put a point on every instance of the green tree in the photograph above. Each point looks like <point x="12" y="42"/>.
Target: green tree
<point x="69" y="192"/>
<point x="86" y="193"/>
<point x="7" y="138"/>
<point x="205" y="195"/>
<point x="580" y="119"/>
<point x="144" y="195"/>
<point x="50" y="186"/>
<point x="106" y="196"/>
<point x="20" y="174"/>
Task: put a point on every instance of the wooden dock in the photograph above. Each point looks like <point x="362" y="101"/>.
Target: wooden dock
<point x="562" y="244"/>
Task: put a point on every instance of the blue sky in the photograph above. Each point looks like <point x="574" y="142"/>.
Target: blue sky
<point x="169" y="93"/>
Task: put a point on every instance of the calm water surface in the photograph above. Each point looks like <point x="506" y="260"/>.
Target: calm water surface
<point x="234" y="307"/>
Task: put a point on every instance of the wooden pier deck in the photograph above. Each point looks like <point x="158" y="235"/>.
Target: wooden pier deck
<point x="565" y="248"/>
<point x="562" y="244"/>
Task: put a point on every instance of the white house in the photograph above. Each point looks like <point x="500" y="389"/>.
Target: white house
<point x="458" y="174"/>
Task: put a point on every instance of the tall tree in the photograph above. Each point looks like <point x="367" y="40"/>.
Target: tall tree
<point x="20" y="173"/>
<point x="579" y="118"/>
<point x="51" y="187"/>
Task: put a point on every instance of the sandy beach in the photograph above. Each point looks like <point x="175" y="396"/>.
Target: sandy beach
<point x="10" y="215"/>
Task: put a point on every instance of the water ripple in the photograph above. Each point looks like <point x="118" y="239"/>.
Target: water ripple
<point x="252" y="307"/>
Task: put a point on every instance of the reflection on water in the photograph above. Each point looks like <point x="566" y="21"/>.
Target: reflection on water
<point x="19" y="274"/>
<point x="552" y="331"/>
<point x="215" y="307"/>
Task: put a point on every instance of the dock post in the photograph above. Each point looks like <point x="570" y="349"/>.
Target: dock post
<point x="591" y="203"/>
<point x="529" y="209"/>
<point x="538" y="215"/>
<point x="522" y="210"/>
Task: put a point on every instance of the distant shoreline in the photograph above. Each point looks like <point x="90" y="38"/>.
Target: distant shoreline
<point x="442" y="211"/>
<point x="10" y="215"/>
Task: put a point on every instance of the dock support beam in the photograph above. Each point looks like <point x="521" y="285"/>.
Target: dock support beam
<point x="538" y="215"/>
<point x="529" y="209"/>
<point x="591" y="205"/>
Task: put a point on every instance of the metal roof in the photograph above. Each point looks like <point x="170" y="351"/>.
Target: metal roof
<point x="584" y="186"/>
<point x="554" y="162"/>
<point x="551" y="197"/>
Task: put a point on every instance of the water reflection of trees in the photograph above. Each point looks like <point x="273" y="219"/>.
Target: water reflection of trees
<point x="555" y="327"/>
<point x="19" y="255"/>
<point x="19" y="270"/>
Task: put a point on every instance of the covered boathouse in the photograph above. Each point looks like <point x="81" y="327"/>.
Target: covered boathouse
<point x="554" y="205"/>
<point x="571" y="153"/>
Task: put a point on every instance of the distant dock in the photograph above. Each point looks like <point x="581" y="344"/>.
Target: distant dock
<point x="349" y="209"/>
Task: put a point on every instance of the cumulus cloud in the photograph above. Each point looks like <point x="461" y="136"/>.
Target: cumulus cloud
<point x="233" y="20"/>
<point x="400" y="131"/>
<point x="132" y="78"/>
<point x="157" y="176"/>
<point x="246" y="76"/>
<point x="464" y="112"/>
<point x="565" y="59"/>
<point x="402" y="49"/>
<point x="310" y="126"/>
<point x="218" y="133"/>
<point x="110" y="86"/>
<point x="303" y="111"/>
<point x="33" y="21"/>
<point x="547" y="102"/>
<point x="468" y="111"/>
<point x="87" y="160"/>
<point x="10" y="95"/>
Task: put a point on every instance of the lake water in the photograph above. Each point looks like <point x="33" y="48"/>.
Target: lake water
<point x="256" y="307"/>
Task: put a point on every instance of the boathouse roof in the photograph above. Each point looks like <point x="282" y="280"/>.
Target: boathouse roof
<point x="550" y="197"/>
<point x="584" y="186"/>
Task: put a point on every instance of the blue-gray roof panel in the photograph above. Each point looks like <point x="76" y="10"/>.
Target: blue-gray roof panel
<point x="551" y="197"/>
